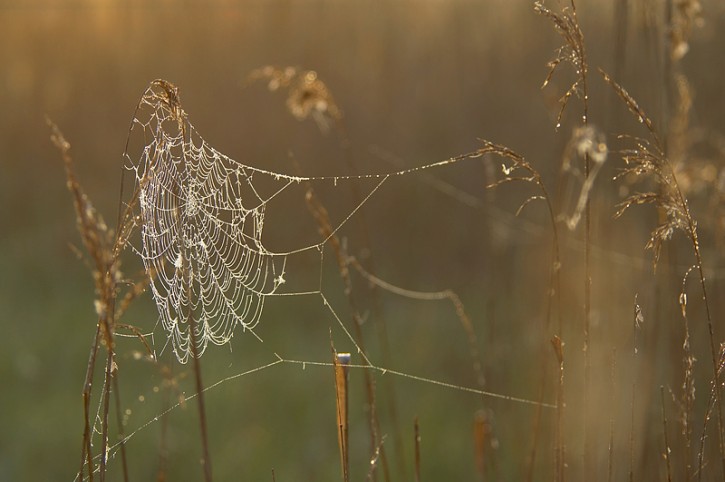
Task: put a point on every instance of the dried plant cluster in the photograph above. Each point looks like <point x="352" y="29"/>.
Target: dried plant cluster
<point x="191" y="198"/>
<point x="103" y="248"/>
<point x="307" y="95"/>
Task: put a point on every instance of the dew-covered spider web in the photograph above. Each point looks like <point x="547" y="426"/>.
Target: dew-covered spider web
<point x="201" y="217"/>
<point x="201" y="222"/>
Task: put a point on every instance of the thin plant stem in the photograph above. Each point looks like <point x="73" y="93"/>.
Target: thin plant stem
<point x="416" y="434"/>
<point x="612" y="401"/>
<point x="206" y="459"/>
<point x="340" y="364"/>
<point x="664" y="429"/>
<point x="86" y="450"/>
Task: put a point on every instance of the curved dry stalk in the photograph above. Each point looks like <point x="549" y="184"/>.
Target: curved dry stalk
<point x="532" y="176"/>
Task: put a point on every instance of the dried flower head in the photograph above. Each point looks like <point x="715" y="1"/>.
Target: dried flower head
<point x="686" y="15"/>
<point x="307" y="95"/>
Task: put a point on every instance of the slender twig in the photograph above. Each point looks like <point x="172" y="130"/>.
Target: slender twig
<point x="612" y="401"/>
<point x="688" y="384"/>
<point x="86" y="451"/>
<point x="637" y="320"/>
<point x="416" y="427"/>
<point x="205" y="458"/>
<point x="106" y="407"/>
<point x="664" y="429"/>
<point x="560" y="447"/>
<point x="480" y="441"/>
<point x="120" y="424"/>
<point x="340" y="363"/>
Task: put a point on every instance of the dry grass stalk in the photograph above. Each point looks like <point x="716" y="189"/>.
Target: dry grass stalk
<point x="521" y="170"/>
<point x="560" y="445"/>
<point x="664" y="429"/>
<point x="374" y="460"/>
<point x="708" y="411"/>
<point x="482" y="439"/>
<point x="340" y="364"/>
<point x="612" y="402"/>
<point x="536" y="430"/>
<point x="196" y="356"/>
<point x="688" y="385"/>
<point x="416" y="441"/>
<point x="637" y="321"/>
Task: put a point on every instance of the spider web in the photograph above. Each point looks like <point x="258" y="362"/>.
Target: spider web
<point x="201" y="218"/>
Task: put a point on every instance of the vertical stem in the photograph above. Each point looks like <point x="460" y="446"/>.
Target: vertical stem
<point x="119" y="422"/>
<point x="417" y="450"/>
<point x="692" y="231"/>
<point x="587" y="326"/>
<point x="716" y="393"/>
<point x="612" y="401"/>
<point x="480" y="440"/>
<point x="380" y="323"/>
<point x="341" y="362"/>
<point x="664" y="428"/>
<point x="104" y="415"/>
<point x="108" y="295"/>
<point x="86" y="452"/>
<point x="161" y="475"/>
<point x="531" y="461"/>
<point x="637" y="318"/>
<point x="206" y="460"/>
<point x="583" y="74"/>
<point x="320" y="214"/>
<point x="560" y="447"/>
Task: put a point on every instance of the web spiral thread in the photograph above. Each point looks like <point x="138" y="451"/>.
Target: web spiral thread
<point x="201" y="222"/>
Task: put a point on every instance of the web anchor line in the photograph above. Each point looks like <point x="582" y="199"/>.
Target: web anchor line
<point x="279" y="360"/>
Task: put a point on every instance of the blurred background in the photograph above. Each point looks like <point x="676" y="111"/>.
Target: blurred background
<point x="418" y="81"/>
